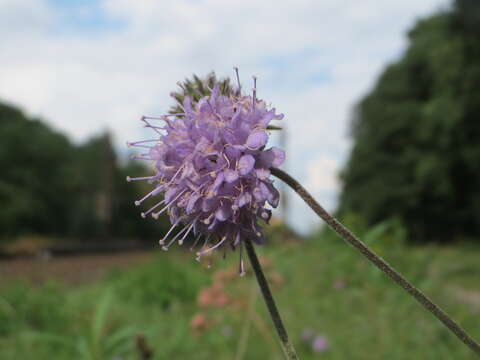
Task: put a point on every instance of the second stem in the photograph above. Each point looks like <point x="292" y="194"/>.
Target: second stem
<point x="287" y="346"/>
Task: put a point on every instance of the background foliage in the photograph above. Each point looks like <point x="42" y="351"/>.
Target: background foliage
<point x="50" y="186"/>
<point x="416" y="135"/>
<point x="322" y="286"/>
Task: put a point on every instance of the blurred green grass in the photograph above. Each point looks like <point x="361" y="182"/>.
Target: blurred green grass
<point x="325" y="288"/>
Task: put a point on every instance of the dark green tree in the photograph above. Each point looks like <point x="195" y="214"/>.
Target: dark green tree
<point x="104" y="208"/>
<point x="50" y="187"/>
<point x="416" y="153"/>
<point x="35" y="163"/>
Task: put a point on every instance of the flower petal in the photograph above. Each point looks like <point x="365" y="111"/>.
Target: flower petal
<point x="208" y="204"/>
<point x="278" y="156"/>
<point x="223" y="212"/>
<point x="273" y="157"/>
<point x="262" y="174"/>
<point x="267" y="118"/>
<point x="273" y="195"/>
<point x="191" y="203"/>
<point x="230" y="175"/>
<point x="244" y="199"/>
<point x="257" y="139"/>
<point x="245" y="164"/>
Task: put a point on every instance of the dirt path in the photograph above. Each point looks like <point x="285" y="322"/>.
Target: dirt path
<point x="71" y="270"/>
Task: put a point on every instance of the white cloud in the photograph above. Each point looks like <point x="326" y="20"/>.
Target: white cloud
<point x="322" y="174"/>
<point x="314" y="59"/>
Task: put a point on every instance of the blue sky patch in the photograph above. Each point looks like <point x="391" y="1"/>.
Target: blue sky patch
<point x="287" y="65"/>
<point x="85" y="17"/>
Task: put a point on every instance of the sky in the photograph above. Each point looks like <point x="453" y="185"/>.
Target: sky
<point x="90" y="66"/>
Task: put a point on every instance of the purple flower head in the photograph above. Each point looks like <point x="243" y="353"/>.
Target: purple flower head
<point x="213" y="170"/>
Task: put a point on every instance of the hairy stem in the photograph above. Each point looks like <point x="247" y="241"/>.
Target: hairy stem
<point x="377" y="260"/>
<point x="287" y="346"/>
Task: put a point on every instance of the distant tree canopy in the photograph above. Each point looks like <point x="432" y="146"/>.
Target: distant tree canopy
<point x="416" y="153"/>
<point x="35" y="162"/>
<point x="49" y="186"/>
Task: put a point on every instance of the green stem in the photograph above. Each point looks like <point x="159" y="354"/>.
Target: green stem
<point x="378" y="261"/>
<point x="287" y="346"/>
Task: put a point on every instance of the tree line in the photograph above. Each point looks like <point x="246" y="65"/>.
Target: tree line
<point x="416" y="152"/>
<point x="50" y="186"/>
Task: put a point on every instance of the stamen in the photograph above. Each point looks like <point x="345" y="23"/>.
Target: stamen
<point x="156" y="215"/>
<point x="200" y="187"/>
<point x="203" y="252"/>
<point x="165" y="248"/>
<point x="196" y="242"/>
<point x="141" y="157"/>
<point x="238" y="80"/>
<point x="144" y="214"/>
<point x="181" y="168"/>
<point x="151" y="193"/>
<point x="226" y="158"/>
<point x="133" y="143"/>
<point x="180" y="242"/>
<point x="162" y="240"/>
<point x="254" y="91"/>
<point x="155" y="128"/>
<point x="161" y="117"/>
<point x="204" y="243"/>
<point x="148" y="125"/>
<point x="141" y="178"/>
<point x="207" y="220"/>
<point x="241" y="268"/>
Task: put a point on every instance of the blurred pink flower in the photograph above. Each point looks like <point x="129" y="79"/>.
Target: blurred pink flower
<point x="339" y="284"/>
<point x="320" y="344"/>
<point x="307" y="335"/>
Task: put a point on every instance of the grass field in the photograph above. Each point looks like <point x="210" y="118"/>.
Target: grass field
<point x="186" y="310"/>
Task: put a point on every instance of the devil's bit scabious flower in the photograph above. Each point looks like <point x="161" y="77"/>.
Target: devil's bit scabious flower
<point x="213" y="170"/>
